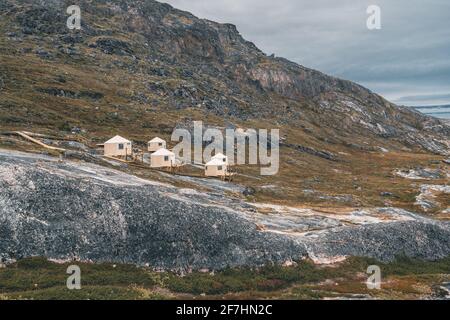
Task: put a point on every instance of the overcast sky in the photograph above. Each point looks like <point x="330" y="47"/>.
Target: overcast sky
<point x="407" y="61"/>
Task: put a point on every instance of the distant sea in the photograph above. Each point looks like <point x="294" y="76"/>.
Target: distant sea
<point x="436" y="111"/>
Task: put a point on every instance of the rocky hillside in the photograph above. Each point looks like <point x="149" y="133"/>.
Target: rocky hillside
<point x="353" y="166"/>
<point x="133" y="60"/>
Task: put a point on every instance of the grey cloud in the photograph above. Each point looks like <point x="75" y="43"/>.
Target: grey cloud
<point x="408" y="56"/>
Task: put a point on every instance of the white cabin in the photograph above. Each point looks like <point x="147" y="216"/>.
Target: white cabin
<point x="221" y="157"/>
<point x="162" y="158"/>
<point x="118" y="146"/>
<point x="156" y="144"/>
<point x="216" y="168"/>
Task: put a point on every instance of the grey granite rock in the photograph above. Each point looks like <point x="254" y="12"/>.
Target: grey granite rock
<point x="65" y="211"/>
<point x="71" y="210"/>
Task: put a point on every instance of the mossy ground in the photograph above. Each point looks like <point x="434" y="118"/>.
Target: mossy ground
<point x="37" y="278"/>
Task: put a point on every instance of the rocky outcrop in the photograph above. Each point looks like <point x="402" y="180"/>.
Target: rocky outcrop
<point x="69" y="210"/>
<point x="112" y="46"/>
<point x="385" y="242"/>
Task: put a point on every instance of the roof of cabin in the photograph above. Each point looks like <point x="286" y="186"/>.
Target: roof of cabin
<point x="219" y="156"/>
<point x="215" y="162"/>
<point x="157" y="139"/>
<point x="118" y="139"/>
<point x="163" y="152"/>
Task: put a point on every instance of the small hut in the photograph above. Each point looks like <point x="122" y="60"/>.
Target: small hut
<point x="216" y="168"/>
<point x="156" y="144"/>
<point x="118" y="147"/>
<point x="162" y="158"/>
<point x="221" y="157"/>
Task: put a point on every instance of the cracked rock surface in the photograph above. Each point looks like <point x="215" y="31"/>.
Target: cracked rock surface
<point x="67" y="210"/>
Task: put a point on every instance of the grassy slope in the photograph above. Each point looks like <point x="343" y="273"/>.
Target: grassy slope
<point x="36" y="278"/>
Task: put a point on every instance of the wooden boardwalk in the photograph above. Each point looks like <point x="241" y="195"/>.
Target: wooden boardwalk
<point x="27" y="137"/>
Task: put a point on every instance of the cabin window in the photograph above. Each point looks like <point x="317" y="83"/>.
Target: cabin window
<point x="219" y="168"/>
<point x="166" y="158"/>
<point x="224" y="159"/>
<point x="160" y="144"/>
<point x="120" y="146"/>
